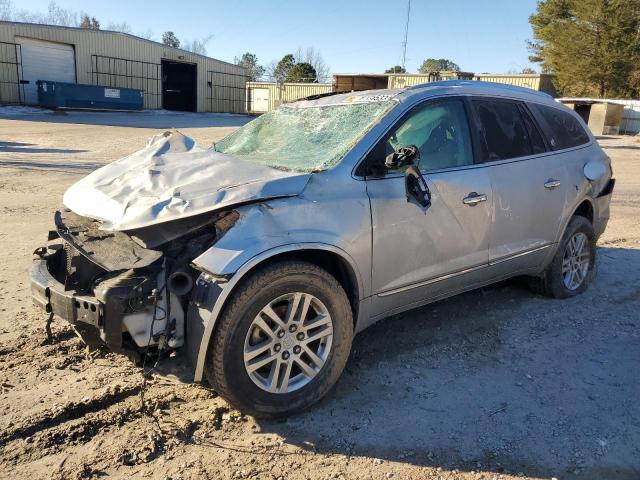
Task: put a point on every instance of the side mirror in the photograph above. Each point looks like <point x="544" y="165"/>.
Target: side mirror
<point x="416" y="188"/>
<point x="402" y="157"/>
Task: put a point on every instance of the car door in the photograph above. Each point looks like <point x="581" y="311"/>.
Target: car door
<point x="529" y="184"/>
<point x="418" y="254"/>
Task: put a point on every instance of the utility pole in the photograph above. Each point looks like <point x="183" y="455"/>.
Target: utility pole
<point x="406" y="34"/>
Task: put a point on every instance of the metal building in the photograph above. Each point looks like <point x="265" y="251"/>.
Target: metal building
<point x="347" y="82"/>
<point x="542" y="82"/>
<point x="364" y="81"/>
<point x="265" y="96"/>
<point x="171" y="78"/>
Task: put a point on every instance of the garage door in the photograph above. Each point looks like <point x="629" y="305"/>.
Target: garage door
<point x="45" y="61"/>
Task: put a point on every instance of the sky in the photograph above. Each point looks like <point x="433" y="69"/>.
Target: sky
<point x="353" y="36"/>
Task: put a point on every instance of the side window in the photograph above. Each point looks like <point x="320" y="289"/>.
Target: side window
<point x="537" y="144"/>
<point x="439" y="130"/>
<point x="566" y="131"/>
<point x="503" y="129"/>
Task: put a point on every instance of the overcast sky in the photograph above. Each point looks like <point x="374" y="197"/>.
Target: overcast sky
<point x="352" y="35"/>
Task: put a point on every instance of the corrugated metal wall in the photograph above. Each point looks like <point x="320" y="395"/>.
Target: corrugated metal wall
<point x="540" y="82"/>
<point x="630" y="117"/>
<point x="229" y="78"/>
<point x="526" y="81"/>
<point x="400" y="80"/>
<point x="280" y="93"/>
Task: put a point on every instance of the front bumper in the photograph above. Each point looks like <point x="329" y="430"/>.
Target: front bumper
<point x="99" y="318"/>
<point x="50" y="295"/>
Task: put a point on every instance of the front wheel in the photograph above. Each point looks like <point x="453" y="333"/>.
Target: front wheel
<point x="571" y="269"/>
<point x="282" y="341"/>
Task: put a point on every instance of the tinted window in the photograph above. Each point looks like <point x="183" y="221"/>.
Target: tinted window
<point x="537" y="144"/>
<point x="439" y="130"/>
<point x="566" y="131"/>
<point x="503" y="129"/>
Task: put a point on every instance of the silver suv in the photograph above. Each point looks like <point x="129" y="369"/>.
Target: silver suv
<point x="260" y="257"/>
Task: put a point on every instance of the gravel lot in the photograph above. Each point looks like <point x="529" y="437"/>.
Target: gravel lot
<point x="496" y="383"/>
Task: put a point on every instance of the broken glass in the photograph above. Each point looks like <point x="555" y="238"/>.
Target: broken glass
<point x="303" y="139"/>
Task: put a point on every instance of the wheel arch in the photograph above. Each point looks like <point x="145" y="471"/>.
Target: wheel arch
<point x="584" y="208"/>
<point x="333" y="259"/>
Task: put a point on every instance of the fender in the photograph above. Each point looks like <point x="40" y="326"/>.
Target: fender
<point x="198" y="346"/>
<point x="565" y="223"/>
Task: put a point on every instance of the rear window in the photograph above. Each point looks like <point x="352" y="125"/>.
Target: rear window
<point x="503" y="128"/>
<point x="566" y="131"/>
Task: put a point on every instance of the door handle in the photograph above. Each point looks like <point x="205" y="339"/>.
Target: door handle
<point x="551" y="184"/>
<point x="474" y="198"/>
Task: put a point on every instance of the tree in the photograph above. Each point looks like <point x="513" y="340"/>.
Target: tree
<point x="123" y="27"/>
<point x="148" y="34"/>
<point x="250" y="62"/>
<point x="280" y="71"/>
<point x="314" y="58"/>
<point x="396" y="69"/>
<point x="89" y="23"/>
<point x="197" y="45"/>
<point x="169" y="39"/>
<point x="60" y="16"/>
<point x="528" y="71"/>
<point x="6" y="10"/>
<point x="592" y="47"/>
<point x="302" y="72"/>
<point x="438" y="65"/>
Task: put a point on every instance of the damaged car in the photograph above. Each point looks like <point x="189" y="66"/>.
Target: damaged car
<point x="261" y="257"/>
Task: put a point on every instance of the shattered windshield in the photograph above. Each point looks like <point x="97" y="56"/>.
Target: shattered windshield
<point x="303" y="139"/>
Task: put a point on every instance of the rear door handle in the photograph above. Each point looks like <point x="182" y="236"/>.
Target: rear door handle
<point x="551" y="184"/>
<point x="474" y="198"/>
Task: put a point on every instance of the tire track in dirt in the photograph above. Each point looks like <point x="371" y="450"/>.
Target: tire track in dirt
<point x="69" y="411"/>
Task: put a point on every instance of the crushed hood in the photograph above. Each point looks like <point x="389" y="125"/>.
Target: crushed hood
<point x="174" y="178"/>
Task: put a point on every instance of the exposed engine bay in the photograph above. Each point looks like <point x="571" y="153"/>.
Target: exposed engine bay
<point x="119" y="265"/>
<point x="128" y="290"/>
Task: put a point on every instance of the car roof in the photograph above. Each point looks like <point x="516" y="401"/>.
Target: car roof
<point x="426" y="90"/>
<point x="476" y="87"/>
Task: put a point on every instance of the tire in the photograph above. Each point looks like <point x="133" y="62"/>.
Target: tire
<point x="225" y="368"/>
<point x="552" y="282"/>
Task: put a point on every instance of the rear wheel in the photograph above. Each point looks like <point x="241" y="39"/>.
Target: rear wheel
<point x="571" y="269"/>
<point x="282" y="341"/>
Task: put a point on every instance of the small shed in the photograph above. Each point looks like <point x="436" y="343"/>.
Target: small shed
<point x="602" y="116"/>
<point x="263" y="97"/>
<point x="354" y="82"/>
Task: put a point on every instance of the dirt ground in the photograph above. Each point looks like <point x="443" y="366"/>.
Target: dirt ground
<point x="496" y="383"/>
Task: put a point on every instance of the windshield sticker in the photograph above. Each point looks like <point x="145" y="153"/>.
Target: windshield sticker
<point x="374" y="98"/>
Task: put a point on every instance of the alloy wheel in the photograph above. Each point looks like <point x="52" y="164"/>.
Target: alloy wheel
<point x="576" y="261"/>
<point x="288" y="342"/>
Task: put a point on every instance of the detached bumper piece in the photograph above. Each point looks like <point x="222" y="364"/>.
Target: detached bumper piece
<point x="50" y="295"/>
<point x="85" y="277"/>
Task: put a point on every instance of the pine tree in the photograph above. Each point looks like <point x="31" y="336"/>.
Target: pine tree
<point x="591" y="46"/>
<point x="302" y="73"/>
<point x="170" y="39"/>
<point x="89" y="23"/>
